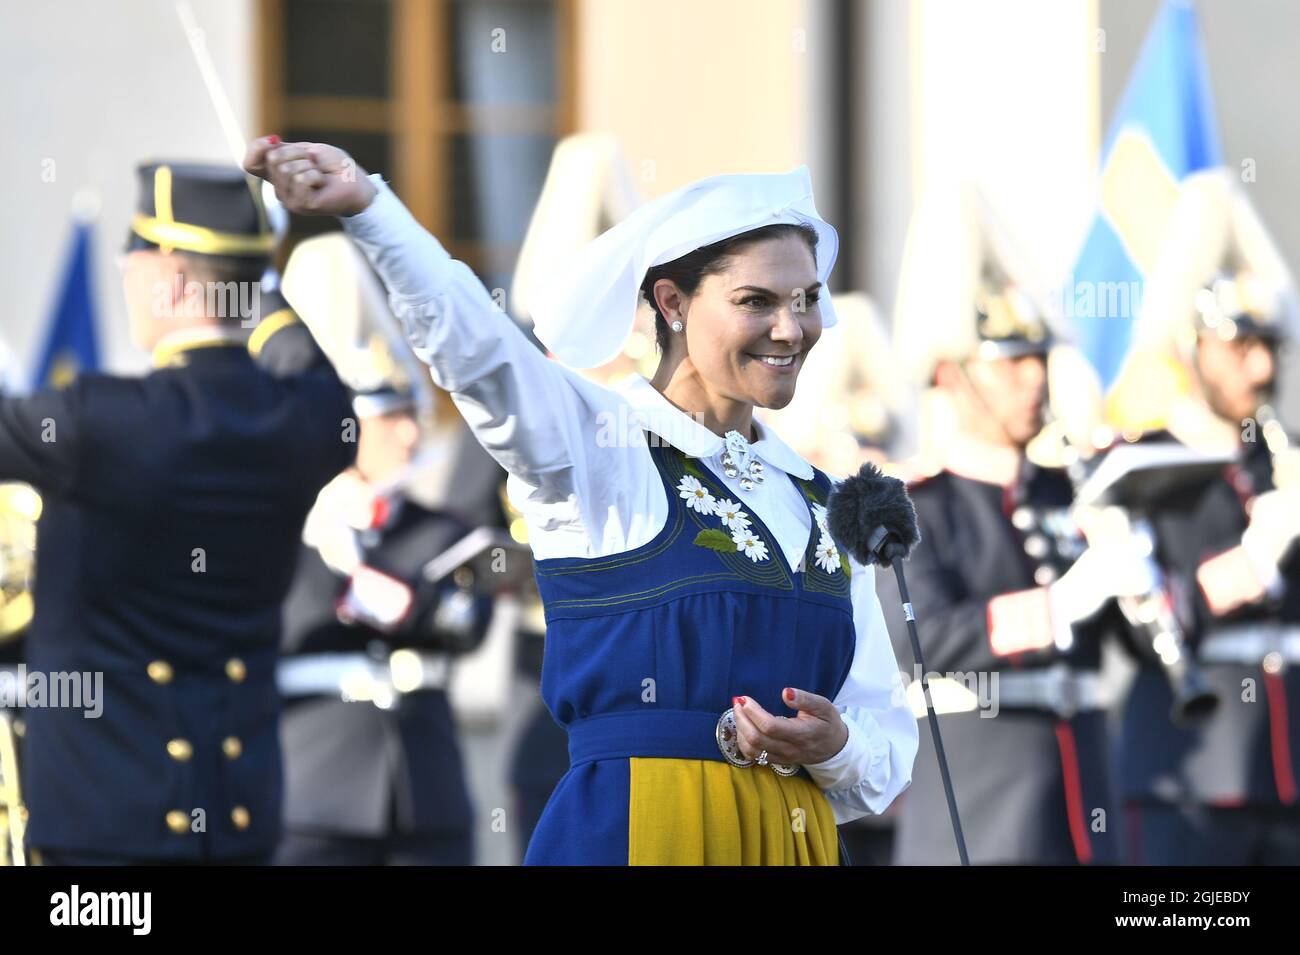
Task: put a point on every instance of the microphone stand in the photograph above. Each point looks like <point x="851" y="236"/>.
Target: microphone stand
<point x="877" y="544"/>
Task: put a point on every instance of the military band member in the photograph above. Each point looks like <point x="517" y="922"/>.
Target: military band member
<point x="374" y="773"/>
<point x="172" y="507"/>
<point x="1220" y="303"/>
<point x="1010" y="603"/>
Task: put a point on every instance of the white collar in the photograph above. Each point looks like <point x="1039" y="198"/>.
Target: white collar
<point x="656" y="413"/>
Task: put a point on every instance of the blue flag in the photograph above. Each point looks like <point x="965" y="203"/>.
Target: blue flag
<point x="1163" y="129"/>
<point x="71" y="345"/>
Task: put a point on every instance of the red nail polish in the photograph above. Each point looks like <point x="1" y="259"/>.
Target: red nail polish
<point x="740" y="701"/>
<point x="789" y="695"/>
<point x="273" y="139"/>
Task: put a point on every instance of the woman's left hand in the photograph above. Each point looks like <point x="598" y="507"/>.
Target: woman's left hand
<point x="815" y="734"/>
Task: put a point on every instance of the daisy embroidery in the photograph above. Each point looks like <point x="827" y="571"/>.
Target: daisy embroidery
<point x="735" y="535"/>
<point x="748" y="543"/>
<point x="819" y="513"/>
<point x="732" y="516"/>
<point x="695" y="495"/>
<point x="828" y="555"/>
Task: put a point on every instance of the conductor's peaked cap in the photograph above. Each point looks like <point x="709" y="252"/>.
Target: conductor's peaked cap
<point x="586" y="312"/>
<point x="200" y="208"/>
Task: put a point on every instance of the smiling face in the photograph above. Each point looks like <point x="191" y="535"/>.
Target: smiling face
<point x="750" y="324"/>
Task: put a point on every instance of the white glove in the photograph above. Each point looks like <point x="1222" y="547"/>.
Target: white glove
<point x="1118" y="563"/>
<point x="1274" y="527"/>
<point x="343" y="507"/>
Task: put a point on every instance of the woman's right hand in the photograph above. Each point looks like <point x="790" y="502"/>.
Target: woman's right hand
<point x="312" y="179"/>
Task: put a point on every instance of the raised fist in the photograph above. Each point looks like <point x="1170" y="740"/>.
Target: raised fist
<point x="312" y="179"/>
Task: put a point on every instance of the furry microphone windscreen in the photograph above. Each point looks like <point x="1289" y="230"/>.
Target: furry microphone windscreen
<point x="869" y="500"/>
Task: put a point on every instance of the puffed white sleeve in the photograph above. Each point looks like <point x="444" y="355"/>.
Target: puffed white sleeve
<point x="875" y="764"/>
<point x="534" y="416"/>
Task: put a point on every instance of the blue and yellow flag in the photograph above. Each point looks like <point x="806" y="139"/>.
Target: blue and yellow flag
<point x="1163" y="130"/>
<point x="71" y="345"/>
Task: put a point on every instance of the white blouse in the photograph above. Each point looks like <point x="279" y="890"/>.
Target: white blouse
<point x="586" y="485"/>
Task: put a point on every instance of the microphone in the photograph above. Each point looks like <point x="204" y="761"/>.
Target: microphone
<point x="871" y="518"/>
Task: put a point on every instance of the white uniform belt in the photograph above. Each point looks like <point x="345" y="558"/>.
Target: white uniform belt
<point x="357" y="677"/>
<point x="1251" y="643"/>
<point x="1056" y="689"/>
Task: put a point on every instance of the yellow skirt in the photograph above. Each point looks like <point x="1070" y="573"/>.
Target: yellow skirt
<point x="706" y="812"/>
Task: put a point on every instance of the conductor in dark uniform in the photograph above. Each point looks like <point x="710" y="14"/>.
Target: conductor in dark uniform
<point x="172" y="509"/>
<point x="1221" y="303"/>
<point x="374" y="773"/>
<point x="1011" y="603"/>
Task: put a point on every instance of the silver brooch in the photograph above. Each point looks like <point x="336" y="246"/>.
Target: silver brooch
<point x="729" y="741"/>
<point x="739" y="461"/>
<point x="729" y="744"/>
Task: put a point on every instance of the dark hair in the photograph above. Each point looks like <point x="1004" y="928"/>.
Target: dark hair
<point x="240" y="275"/>
<point x="223" y="268"/>
<point x="203" y="267"/>
<point x="689" y="270"/>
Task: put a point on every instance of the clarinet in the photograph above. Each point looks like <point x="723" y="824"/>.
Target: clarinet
<point x="1284" y="457"/>
<point x="1151" y="616"/>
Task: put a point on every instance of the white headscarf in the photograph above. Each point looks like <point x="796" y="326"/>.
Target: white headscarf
<point x="585" y="313"/>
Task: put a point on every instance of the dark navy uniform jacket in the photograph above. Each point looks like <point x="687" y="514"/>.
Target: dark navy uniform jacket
<point x="173" y="507"/>
<point x="353" y="768"/>
<point x="1027" y="782"/>
<point x="1248" y="752"/>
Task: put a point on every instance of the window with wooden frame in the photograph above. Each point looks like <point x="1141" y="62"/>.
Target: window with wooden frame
<point x="459" y="103"/>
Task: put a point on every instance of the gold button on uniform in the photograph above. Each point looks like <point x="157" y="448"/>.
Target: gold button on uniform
<point x="160" y="671"/>
<point x="236" y="670"/>
<point x="232" y="747"/>
<point x="240" y="817"/>
<point x="178" y="822"/>
<point x="179" y="749"/>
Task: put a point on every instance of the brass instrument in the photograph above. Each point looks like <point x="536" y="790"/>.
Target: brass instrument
<point x="20" y="506"/>
<point x="13" y="814"/>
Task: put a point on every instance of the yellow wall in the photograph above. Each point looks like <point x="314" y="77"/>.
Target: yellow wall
<point x="694" y="89"/>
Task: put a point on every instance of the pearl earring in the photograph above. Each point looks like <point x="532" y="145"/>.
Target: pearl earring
<point x="678" y="326"/>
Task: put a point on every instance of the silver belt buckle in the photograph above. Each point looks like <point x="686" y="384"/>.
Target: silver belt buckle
<point x="729" y="744"/>
<point x="1067" y="698"/>
<point x="1059" y="691"/>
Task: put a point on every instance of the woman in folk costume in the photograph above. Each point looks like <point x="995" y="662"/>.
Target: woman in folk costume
<point x="722" y="670"/>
